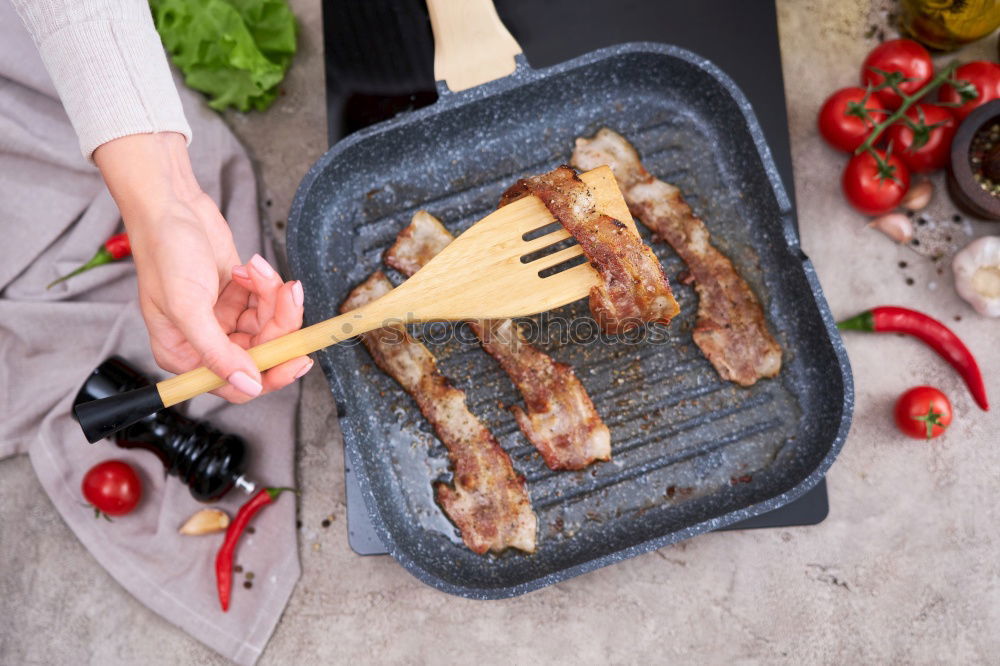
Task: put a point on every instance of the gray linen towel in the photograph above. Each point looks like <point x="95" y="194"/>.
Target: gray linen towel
<point x="54" y="214"/>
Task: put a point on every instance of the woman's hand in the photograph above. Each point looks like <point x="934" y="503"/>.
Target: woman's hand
<point x="202" y="306"/>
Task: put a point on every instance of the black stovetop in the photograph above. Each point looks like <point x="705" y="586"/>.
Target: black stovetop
<point x="379" y="61"/>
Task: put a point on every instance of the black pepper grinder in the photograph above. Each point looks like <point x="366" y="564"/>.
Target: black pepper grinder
<point x="204" y="458"/>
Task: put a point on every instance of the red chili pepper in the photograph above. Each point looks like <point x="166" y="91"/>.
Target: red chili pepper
<point x="224" y="560"/>
<point x="115" y="248"/>
<point x="941" y="339"/>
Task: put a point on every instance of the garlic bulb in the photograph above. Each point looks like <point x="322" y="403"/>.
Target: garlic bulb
<point x="977" y="275"/>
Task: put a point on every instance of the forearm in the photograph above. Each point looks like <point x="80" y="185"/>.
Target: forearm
<point x="145" y="173"/>
<point x="108" y="66"/>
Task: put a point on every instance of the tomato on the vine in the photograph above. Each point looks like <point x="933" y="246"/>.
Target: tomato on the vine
<point x="928" y="147"/>
<point x="984" y="76"/>
<point x="923" y="412"/>
<point x="112" y="488"/>
<point x="905" y="56"/>
<point x="875" y="183"/>
<point x="847" y="118"/>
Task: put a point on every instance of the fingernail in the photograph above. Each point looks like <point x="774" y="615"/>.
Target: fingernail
<point x="297" y="295"/>
<point x="305" y="368"/>
<point x="241" y="272"/>
<point x="245" y="384"/>
<point x="261" y="266"/>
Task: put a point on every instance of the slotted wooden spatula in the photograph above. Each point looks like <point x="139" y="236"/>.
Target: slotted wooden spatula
<point x="479" y="275"/>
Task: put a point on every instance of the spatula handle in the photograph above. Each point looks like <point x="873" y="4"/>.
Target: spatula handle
<point x="471" y="45"/>
<point x="102" y="418"/>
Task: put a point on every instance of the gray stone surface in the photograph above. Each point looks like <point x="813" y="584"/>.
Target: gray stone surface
<point x="904" y="570"/>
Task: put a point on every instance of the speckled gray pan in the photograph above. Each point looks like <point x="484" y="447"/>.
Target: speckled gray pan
<point x="691" y="453"/>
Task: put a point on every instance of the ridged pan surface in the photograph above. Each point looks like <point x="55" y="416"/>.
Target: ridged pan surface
<point x="691" y="452"/>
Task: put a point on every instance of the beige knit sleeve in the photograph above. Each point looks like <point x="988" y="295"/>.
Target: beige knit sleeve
<point x="108" y="65"/>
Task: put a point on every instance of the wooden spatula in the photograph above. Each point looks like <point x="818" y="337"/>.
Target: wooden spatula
<point x="479" y="275"/>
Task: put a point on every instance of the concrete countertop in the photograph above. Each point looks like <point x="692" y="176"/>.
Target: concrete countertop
<point x="903" y="570"/>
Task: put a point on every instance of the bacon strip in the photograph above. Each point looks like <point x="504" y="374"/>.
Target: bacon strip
<point x="730" y="328"/>
<point x="488" y="502"/>
<point x="635" y="290"/>
<point x="559" y="419"/>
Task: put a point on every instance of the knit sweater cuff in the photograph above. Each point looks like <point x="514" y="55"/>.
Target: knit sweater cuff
<point x="113" y="79"/>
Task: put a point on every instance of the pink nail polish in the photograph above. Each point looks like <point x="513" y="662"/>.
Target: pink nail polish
<point x="241" y="272"/>
<point x="305" y="368"/>
<point x="245" y="384"/>
<point x="260" y="265"/>
<point x="298" y="296"/>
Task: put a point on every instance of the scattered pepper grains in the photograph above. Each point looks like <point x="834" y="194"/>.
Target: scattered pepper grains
<point x="247" y="584"/>
<point x="251" y="530"/>
<point x="238" y="568"/>
<point x="249" y="575"/>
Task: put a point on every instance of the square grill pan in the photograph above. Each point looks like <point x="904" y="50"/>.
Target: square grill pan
<point x="691" y="453"/>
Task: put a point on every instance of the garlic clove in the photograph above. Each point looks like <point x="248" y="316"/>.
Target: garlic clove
<point x="206" y="521"/>
<point x="896" y="226"/>
<point x="919" y="196"/>
<point x="977" y="275"/>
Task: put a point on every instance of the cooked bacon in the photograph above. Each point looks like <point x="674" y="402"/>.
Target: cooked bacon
<point x="418" y="243"/>
<point x="635" y="290"/>
<point x="730" y="329"/>
<point x="559" y="419"/>
<point x="488" y="500"/>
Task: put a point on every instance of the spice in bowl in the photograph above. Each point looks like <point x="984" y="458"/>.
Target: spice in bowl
<point x="984" y="156"/>
<point x="974" y="173"/>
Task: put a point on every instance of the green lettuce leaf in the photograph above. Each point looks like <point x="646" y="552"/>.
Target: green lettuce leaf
<point x="234" y="51"/>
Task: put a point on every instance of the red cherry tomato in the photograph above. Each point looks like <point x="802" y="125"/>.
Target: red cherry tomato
<point x="112" y="488"/>
<point x="933" y="151"/>
<point x="842" y="122"/>
<point x="923" y="412"/>
<point x="985" y="76"/>
<point x="897" y="55"/>
<point x="873" y="188"/>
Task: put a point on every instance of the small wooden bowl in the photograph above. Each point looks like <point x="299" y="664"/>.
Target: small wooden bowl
<point x="962" y="186"/>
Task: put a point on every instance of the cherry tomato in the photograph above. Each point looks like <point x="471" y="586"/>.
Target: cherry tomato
<point x="923" y="412"/>
<point x="897" y="55"/>
<point x="842" y="122"/>
<point x="924" y="150"/>
<point x="985" y="76"/>
<point x="875" y="186"/>
<point x="112" y="488"/>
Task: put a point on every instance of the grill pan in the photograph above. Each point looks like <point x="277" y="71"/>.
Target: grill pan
<point x="692" y="453"/>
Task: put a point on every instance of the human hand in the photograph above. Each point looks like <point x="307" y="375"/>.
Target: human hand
<point x="200" y="304"/>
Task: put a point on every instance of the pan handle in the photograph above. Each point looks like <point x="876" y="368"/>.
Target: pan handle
<point x="471" y="45"/>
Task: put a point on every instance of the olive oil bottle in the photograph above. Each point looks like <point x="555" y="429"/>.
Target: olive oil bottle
<point x="945" y="25"/>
